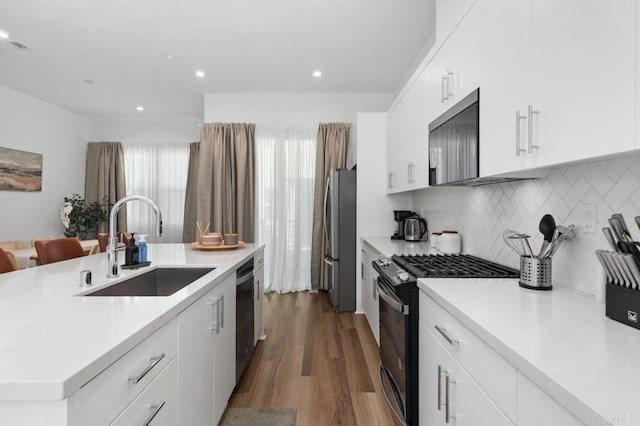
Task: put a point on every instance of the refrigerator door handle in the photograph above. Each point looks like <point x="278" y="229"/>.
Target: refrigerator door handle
<point x="324" y="213"/>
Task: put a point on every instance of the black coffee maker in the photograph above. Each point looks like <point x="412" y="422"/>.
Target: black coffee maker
<point x="400" y="216"/>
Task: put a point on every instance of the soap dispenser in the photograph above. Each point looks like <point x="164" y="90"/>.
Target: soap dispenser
<point x="142" y="246"/>
<point x="131" y="252"/>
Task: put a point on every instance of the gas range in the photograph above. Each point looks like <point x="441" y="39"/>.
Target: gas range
<point x="398" y="312"/>
<point x="453" y="266"/>
<point x="401" y="272"/>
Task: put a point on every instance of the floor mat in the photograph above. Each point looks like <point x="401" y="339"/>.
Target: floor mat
<point x="259" y="417"/>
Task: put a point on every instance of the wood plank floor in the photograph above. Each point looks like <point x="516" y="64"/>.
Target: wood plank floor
<point x="323" y="363"/>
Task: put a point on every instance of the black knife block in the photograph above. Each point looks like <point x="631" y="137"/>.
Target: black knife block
<point x="623" y="305"/>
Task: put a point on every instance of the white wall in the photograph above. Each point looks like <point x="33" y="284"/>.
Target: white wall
<point x="481" y="214"/>
<point x="29" y="124"/>
<point x="145" y="129"/>
<point x="312" y="107"/>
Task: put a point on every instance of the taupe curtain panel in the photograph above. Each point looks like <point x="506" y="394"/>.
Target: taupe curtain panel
<point x="331" y="153"/>
<point x="189" y="233"/>
<point x="105" y="177"/>
<point x="226" y="170"/>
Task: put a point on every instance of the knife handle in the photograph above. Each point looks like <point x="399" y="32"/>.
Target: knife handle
<point x="609" y="236"/>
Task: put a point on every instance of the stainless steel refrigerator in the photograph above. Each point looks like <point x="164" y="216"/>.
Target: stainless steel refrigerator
<point x="340" y="234"/>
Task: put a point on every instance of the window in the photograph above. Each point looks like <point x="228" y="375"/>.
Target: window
<point x="158" y="171"/>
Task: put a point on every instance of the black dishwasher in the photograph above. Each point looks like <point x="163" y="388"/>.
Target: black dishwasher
<point x="244" y="317"/>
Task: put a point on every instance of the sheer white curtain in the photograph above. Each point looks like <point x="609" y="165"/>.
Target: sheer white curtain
<point x="158" y="171"/>
<point x="285" y="167"/>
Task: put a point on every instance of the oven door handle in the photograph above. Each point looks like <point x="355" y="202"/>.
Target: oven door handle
<point x="391" y="301"/>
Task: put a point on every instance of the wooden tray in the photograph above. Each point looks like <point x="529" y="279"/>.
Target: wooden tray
<point x="196" y="245"/>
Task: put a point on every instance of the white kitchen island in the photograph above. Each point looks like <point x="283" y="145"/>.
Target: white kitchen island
<point x="54" y="341"/>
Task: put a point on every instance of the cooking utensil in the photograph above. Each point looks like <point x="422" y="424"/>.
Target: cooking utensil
<point x="509" y="236"/>
<point x="637" y="219"/>
<point x="610" y="239"/>
<point x="561" y="235"/>
<point x="511" y="243"/>
<point x="547" y="228"/>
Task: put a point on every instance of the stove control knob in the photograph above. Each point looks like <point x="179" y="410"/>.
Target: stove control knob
<point x="403" y="275"/>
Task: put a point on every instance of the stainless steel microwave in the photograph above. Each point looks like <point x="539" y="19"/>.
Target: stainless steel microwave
<point x="454" y="144"/>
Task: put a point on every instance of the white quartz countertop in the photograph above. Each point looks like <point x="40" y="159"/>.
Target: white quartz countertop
<point x="53" y="341"/>
<point x="389" y="247"/>
<point x="561" y="339"/>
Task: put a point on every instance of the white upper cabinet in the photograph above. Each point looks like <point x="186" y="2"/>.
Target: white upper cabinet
<point x="451" y="75"/>
<point x="557" y="82"/>
<point x="454" y="71"/>
<point x="448" y="14"/>
<point x="583" y="78"/>
<point x="505" y="80"/>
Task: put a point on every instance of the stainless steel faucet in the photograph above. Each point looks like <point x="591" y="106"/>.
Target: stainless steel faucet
<point x="112" y="247"/>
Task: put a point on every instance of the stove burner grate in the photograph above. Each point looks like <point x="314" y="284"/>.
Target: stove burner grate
<point x="453" y="266"/>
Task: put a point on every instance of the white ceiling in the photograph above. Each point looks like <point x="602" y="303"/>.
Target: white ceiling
<point x="244" y="46"/>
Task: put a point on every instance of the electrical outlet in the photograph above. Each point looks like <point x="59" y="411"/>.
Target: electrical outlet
<point x="589" y="219"/>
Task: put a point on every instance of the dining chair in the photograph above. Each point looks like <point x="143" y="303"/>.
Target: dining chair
<point x="33" y="241"/>
<point x="6" y="263"/>
<point x="50" y="251"/>
<point x="95" y="249"/>
<point x="13" y="245"/>
<point x="103" y="239"/>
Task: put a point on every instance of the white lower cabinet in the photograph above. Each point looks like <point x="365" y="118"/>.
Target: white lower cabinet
<point x="195" y="361"/>
<point x="483" y="387"/>
<point x="370" y="289"/>
<point x="224" y="344"/>
<point x="206" y="355"/>
<point x="258" y="302"/>
<point x="157" y="405"/>
<point x="102" y="399"/>
<point x="447" y="394"/>
<point x="536" y="407"/>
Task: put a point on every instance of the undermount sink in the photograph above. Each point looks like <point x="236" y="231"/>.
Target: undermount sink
<point x="158" y="282"/>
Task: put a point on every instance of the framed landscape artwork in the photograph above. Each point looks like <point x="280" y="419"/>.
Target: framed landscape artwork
<point x="20" y="171"/>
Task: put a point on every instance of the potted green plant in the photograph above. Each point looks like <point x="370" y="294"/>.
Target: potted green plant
<point x="81" y="218"/>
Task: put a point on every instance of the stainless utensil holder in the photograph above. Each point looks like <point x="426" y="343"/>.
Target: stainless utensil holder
<point x="535" y="273"/>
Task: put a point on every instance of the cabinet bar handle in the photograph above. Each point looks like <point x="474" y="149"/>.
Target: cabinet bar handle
<point x="215" y="325"/>
<point x="443" y="331"/>
<point x="154" y="361"/>
<point x="447" y="405"/>
<point x="156" y="409"/>
<point x="443" y="97"/>
<point x="439" y="387"/>
<point x="518" y="118"/>
<point x="221" y="311"/>
<point x="531" y="145"/>
<point x="375" y="288"/>
<point x="449" y="78"/>
<point x="390" y="179"/>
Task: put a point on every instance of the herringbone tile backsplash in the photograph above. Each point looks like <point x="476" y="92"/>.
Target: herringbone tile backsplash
<point x="481" y="214"/>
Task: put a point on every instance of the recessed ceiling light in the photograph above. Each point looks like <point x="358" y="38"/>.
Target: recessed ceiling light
<point x="170" y="57"/>
<point x="317" y="74"/>
<point x="4" y="34"/>
<point x="199" y="73"/>
<point x="139" y="108"/>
